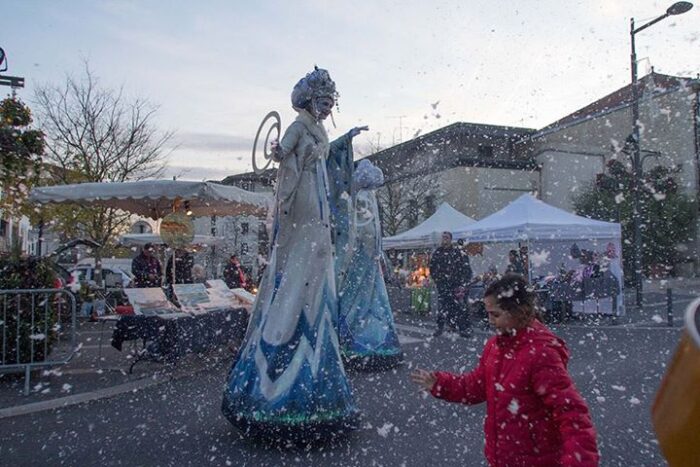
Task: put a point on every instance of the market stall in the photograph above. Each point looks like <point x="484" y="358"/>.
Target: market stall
<point x="576" y="260"/>
<point x="422" y="239"/>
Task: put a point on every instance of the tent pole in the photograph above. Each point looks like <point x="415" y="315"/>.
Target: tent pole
<point x="529" y="265"/>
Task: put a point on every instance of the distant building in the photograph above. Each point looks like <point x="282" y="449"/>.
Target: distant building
<point x="572" y="150"/>
<point x="473" y="167"/>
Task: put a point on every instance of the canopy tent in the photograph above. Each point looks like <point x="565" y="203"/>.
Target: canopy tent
<point x="427" y="234"/>
<point x="156" y="198"/>
<point x="550" y="234"/>
<point x="528" y="219"/>
<point x="142" y="239"/>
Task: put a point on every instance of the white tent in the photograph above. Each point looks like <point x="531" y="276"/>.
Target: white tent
<point x="427" y="234"/>
<point x="528" y="219"/>
<point x="550" y="234"/>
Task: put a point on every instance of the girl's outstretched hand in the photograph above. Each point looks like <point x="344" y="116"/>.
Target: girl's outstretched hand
<point x="424" y="379"/>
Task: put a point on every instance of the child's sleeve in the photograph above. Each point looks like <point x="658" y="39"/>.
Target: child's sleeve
<point x="552" y="383"/>
<point x="469" y="388"/>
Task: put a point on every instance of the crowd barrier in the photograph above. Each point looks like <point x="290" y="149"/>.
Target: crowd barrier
<point x="34" y="323"/>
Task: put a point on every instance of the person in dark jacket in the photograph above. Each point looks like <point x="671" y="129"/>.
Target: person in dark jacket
<point x="445" y="270"/>
<point x="146" y="268"/>
<point x="534" y="413"/>
<point x="515" y="263"/>
<point x="234" y="276"/>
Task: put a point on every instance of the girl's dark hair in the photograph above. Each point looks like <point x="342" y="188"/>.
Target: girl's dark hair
<point x="514" y="295"/>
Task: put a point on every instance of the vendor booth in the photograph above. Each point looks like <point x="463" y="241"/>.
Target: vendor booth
<point x="203" y="320"/>
<point x="574" y="261"/>
<point x="425" y="236"/>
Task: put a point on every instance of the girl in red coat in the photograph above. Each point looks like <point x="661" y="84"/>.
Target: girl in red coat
<point x="534" y="414"/>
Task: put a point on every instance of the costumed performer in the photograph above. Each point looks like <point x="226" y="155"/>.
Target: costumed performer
<point x="288" y="381"/>
<point x="368" y="338"/>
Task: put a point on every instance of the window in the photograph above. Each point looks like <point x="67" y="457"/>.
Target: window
<point x="244" y="228"/>
<point x="3" y="228"/>
<point x="485" y="151"/>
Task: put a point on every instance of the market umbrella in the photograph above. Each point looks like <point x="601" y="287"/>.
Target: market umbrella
<point x="156" y="198"/>
<point x="144" y="238"/>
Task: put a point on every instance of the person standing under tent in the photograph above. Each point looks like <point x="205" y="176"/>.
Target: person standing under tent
<point x="288" y="380"/>
<point x="367" y="332"/>
<point x="515" y="263"/>
<point x="234" y="276"/>
<point x="146" y="268"/>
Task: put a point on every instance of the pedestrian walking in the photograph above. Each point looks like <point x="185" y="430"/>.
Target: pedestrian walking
<point x="534" y="414"/>
<point x="445" y="267"/>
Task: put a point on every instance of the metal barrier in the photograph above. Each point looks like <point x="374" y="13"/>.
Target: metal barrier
<point x="34" y="325"/>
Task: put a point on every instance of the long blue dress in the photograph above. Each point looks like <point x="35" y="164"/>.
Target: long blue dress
<point x="289" y="380"/>
<point x="367" y="332"/>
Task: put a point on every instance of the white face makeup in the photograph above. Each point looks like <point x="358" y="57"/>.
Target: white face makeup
<point x="322" y="107"/>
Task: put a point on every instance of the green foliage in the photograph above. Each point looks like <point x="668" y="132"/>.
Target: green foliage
<point x="667" y="216"/>
<point x="25" y="338"/>
<point x="20" y="153"/>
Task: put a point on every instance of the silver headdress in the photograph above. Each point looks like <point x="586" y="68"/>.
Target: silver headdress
<point x="367" y="176"/>
<point x="316" y="84"/>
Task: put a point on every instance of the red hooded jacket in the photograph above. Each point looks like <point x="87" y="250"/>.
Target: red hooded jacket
<point x="534" y="414"/>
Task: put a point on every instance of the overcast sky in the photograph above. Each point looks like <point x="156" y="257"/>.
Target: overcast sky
<point x="404" y="67"/>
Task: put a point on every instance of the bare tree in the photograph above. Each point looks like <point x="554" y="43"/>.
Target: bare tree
<point x="402" y="203"/>
<point x="95" y="134"/>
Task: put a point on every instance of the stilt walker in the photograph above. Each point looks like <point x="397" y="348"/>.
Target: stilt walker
<point x="367" y="333"/>
<point x="288" y="381"/>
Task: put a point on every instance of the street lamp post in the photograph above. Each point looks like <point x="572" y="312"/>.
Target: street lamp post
<point x="675" y="9"/>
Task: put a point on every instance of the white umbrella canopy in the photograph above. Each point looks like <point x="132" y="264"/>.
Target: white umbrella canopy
<point x="142" y="239"/>
<point x="155" y="198"/>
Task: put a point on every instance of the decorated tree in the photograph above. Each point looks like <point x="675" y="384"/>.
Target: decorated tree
<point x="21" y="148"/>
<point x="667" y="216"/>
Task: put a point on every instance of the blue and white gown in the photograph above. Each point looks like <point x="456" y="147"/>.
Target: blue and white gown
<point x="289" y="379"/>
<point x="367" y="332"/>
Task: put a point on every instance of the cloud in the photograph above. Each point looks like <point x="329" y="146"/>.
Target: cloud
<point x="212" y="142"/>
<point x="182" y="172"/>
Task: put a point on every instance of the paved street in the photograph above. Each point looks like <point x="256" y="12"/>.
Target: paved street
<point x="178" y="422"/>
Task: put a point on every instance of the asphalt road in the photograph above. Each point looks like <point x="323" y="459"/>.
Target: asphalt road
<point x="617" y="370"/>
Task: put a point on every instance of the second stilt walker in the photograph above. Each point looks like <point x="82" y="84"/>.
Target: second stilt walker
<point x="367" y="333"/>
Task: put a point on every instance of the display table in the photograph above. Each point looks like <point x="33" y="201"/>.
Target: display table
<point x="170" y="337"/>
<point x="420" y="299"/>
